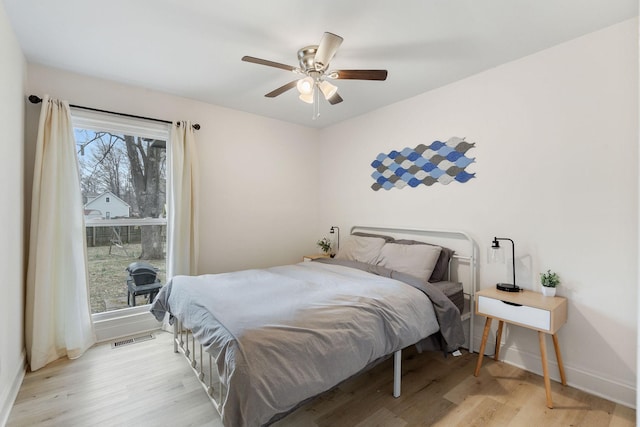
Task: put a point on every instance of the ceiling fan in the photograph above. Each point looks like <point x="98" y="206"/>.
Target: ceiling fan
<point x="314" y="66"/>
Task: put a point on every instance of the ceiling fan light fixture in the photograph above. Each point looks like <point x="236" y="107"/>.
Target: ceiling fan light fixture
<point x="328" y="90"/>
<point x="305" y="86"/>
<point x="313" y="71"/>
<point x="307" y="97"/>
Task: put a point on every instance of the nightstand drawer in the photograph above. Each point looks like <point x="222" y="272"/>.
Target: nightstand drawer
<point x="532" y="317"/>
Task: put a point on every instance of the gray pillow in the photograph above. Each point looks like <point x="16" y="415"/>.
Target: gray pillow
<point x="442" y="265"/>
<point x="415" y="260"/>
<point x="361" y="248"/>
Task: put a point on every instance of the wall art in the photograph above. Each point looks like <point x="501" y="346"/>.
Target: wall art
<point x="442" y="162"/>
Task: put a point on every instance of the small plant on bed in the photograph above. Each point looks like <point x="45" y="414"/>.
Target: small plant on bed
<point x="325" y="245"/>
<point x="549" y="281"/>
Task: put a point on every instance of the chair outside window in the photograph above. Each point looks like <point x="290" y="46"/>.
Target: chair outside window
<point x="142" y="280"/>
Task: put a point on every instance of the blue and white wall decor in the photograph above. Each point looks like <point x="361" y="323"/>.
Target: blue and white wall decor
<point x="441" y="162"/>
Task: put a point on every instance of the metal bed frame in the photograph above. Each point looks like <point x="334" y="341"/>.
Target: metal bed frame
<point x="203" y="367"/>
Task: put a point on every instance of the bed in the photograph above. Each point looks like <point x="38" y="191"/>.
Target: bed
<point x="265" y="341"/>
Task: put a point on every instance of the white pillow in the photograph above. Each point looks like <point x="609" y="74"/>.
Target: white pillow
<point x="416" y="260"/>
<point x="359" y="248"/>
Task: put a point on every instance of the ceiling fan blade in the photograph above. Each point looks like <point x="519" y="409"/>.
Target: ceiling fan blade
<point x="326" y="50"/>
<point x="268" y="63"/>
<point x="359" y="74"/>
<point x="335" y="99"/>
<point x="282" y="89"/>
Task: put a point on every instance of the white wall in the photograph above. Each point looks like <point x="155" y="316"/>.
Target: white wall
<point x="258" y="175"/>
<point x="556" y="164"/>
<point x="12" y="356"/>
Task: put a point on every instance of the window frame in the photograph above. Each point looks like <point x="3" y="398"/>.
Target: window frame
<point x="130" y="320"/>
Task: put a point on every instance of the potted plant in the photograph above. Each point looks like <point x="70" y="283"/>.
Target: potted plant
<point x="325" y="245"/>
<point x="549" y="281"/>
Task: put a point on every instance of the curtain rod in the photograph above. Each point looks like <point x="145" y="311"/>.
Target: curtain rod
<point x="36" y="100"/>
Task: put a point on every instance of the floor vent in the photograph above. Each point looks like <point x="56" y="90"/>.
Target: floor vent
<point x="133" y="340"/>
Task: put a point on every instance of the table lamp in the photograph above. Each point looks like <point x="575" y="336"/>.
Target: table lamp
<point x="496" y="255"/>
<point x="335" y="230"/>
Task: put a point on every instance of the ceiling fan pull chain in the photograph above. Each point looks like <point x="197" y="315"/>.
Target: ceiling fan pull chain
<point x="316" y="102"/>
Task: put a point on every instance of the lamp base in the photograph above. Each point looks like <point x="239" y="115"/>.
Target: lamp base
<point x="507" y="287"/>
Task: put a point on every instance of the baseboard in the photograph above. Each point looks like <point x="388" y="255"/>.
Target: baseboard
<point x="616" y="391"/>
<point x="8" y="395"/>
<point x="111" y="327"/>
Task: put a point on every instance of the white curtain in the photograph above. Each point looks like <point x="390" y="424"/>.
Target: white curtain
<point x="182" y="227"/>
<point x="58" y="319"/>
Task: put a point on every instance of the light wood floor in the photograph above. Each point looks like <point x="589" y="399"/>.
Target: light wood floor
<point x="146" y="384"/>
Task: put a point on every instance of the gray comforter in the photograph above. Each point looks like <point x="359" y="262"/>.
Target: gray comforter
<point x="284" y="334"/>
<point x="450" y="337"/>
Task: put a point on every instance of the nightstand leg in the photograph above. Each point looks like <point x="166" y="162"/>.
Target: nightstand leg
<point x="498" y="339"/>
<point x="483" y="344"/>
<point x="545" y="369"/>
<point x="556" y="345"/>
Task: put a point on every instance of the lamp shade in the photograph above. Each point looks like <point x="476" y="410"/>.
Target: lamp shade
<point x="307" y="97"/>
<point x="495" y="255"/>
<point x="305" y="86"/>
<point x="328" y="90"/>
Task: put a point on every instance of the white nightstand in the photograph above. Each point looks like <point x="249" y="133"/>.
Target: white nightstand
<point x="316" y="256"/>
<point x="527" y="309"/>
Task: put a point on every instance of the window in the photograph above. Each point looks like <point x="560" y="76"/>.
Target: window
<point x="123" y="169"/>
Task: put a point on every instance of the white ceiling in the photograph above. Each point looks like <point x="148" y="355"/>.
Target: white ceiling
<point x="192" y="48"/>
